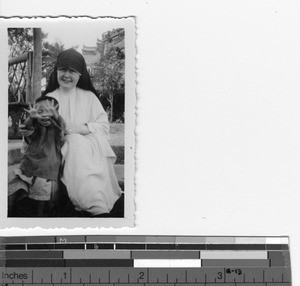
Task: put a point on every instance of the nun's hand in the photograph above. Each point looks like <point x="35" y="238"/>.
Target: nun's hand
<point x="74" y="128"/>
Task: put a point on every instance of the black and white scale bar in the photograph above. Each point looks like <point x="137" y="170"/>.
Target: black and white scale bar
<point x="165" y="246"/>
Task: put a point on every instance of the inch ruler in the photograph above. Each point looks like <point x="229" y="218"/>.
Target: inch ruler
<point x="145" y="260"/>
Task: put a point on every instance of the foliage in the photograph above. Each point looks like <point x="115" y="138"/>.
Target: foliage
<point x="49" y="56"/>
<point x="20" y="41"/>
<point x="110" y="80"/>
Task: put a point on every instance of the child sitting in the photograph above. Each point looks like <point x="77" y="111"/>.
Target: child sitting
<point x="44" y="135"/>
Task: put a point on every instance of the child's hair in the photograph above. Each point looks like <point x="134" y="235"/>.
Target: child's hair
<point x="45" y="97"/>
<point x="84" y="80"/>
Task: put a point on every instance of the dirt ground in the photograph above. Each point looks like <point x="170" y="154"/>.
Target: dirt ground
<point x="116" y="134"/>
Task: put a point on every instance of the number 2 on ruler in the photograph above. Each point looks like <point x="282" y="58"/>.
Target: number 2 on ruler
<point x="141" y="275"/>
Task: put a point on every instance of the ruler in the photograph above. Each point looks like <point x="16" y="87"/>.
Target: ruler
<point x="145" y="260"/>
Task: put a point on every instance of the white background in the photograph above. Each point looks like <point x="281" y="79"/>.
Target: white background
<point x="218" y="113"/>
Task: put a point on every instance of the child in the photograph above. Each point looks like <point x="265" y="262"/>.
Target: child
<point x="41" y="162"/>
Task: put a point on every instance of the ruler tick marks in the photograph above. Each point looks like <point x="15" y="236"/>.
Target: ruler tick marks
<point x="114" y="277"/>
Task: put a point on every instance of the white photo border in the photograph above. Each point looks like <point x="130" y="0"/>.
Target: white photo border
<point x="128" y="23"/>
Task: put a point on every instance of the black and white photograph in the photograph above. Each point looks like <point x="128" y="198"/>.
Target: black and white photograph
<point x="70" y="104"/>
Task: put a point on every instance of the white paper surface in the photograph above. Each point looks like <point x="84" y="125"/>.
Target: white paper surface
<point x="218" y="115"/>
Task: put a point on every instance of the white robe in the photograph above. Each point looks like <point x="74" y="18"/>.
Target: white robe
<point x="88" y="172"/>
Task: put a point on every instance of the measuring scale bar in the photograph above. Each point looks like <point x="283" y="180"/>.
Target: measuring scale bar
<point x="157" y="276"/>
<point x="145" y="260"/>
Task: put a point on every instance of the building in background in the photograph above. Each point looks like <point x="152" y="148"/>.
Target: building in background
<point x="93" y="55"/>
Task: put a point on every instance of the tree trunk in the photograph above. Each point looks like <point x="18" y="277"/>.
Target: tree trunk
<point x="29" y="95"/>
<point x="111" y="106"/>
<point x="37" y="64"/>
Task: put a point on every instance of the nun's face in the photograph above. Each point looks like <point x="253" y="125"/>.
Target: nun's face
<point x="67" y="78"/>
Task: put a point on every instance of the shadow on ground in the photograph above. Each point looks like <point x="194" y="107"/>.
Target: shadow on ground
<point x="23" y="206"/>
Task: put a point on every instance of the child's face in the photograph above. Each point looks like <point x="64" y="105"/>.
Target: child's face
<point x="44" y="113"/>
<point x="67" y="78"/>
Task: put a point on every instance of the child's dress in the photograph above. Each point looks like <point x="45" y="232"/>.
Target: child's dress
<point x="41" y="162"/>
